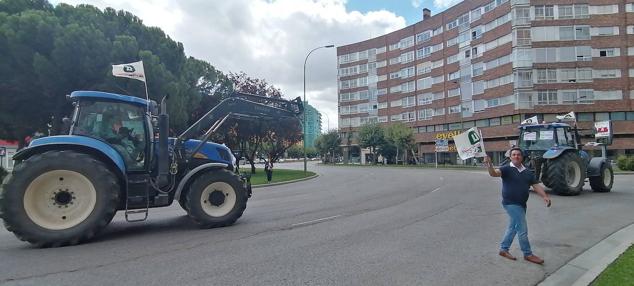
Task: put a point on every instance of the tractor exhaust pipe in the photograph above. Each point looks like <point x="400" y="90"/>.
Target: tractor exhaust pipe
<point x="163" y="151"/>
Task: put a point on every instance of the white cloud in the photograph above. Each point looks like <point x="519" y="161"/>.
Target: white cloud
<point x="444" y="4"/>
<point x="416" y="3"/>
<point x="266" y="39"/>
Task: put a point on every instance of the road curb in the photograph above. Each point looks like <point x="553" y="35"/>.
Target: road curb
<point x="587" y="266"/>
<point x="286" y="182"/>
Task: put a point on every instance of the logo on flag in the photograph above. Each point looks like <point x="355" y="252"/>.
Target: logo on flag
<point x="532" y="120"/>
<point x="474" y="137"/>
<point x="469" y="144"/>
<point x="132" y="70"/>
<point x="568" y="116"/>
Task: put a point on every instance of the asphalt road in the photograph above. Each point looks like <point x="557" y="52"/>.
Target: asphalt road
<point x="349" y="226"/>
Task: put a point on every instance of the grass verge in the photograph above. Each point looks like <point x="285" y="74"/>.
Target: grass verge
<point x="620" y="272"/>
<point x="279" y="175"/>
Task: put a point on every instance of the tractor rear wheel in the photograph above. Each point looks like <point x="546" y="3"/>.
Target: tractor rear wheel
<point x="603" y="183"/>
<point x="216" y="198"/>
<point x="566" y="174"/>
<point x="54" y="199"/>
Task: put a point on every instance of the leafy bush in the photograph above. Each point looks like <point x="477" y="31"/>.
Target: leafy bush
<point x="630" y="164"/>
<point x="621" y="162"/>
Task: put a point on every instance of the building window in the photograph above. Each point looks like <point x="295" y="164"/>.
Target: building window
<point x="439" y="111"/>
<point x="423" y="37"/>
<point x="581" y="11"/>
<point x="566" y="12"/>
<point x="453" y="92"/>
<point x="482" y="123"/>
<point x="566" y="33"/>
<point x="608" y="52"/>
<point x="544" y="12"/>
<point x="454" y="126"/>
<point x="582" y="32"/>
<point x="604" y="31"/>
<point x="617" y="116"/>
<point x="425" y="114"/>
<point x="547" y="97"/>
<point x="585" y="116"/>
<point x="523" y="37"/>
<point x="454" y="109"/>
<point x="425" y="98"/>
<point x="546" y="76"/>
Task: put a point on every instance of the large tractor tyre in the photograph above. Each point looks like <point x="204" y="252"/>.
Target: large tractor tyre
<point x="59" y="198"/>
<point x="603" y="183"/>
<point x="183" y="203"/>
<point x="544" y="176"/>
<point x="566" y="174"/>
<point x="216" y="198"/>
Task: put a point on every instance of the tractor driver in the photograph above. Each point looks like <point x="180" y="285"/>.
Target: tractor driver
<point x="121" y="138"/>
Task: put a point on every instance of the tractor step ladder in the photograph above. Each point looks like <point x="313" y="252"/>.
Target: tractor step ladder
<point x="144" y="211"/>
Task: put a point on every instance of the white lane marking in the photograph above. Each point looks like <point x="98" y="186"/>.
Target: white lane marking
<point x="435" y="190"/>
<point x="315" y="220"/>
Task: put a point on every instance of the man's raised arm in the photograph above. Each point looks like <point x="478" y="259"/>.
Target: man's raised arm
<point x="492" y="171"/>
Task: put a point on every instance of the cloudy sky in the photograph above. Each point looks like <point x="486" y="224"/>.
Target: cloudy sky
<point x="270" y="39"/>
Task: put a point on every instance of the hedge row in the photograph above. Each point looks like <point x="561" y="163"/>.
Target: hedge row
<point x="625" y="163"/>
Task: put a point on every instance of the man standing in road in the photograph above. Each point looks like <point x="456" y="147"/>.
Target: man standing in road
<point x="516" y="180"/>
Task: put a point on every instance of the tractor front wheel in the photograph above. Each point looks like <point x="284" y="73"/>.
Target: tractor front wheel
<point x="566" y="174"/>
<point x="603" y="183"/>
<point x="216" y="198"/>
<point x="59" y="198"/>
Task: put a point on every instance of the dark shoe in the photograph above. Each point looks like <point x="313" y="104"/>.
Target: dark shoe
<point x="506" y="254"/>
<point x="534" y="259"/>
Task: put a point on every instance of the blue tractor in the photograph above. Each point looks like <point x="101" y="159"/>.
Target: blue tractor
<point x="553" y="151"/>
<point x="117" y="156"/>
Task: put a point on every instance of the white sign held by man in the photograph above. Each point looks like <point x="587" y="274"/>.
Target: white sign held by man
<point x="132" y="70"/>
<point x="469" y="144"/>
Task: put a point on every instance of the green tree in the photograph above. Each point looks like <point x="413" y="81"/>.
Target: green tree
<point x="328" y="145"/>
<point x="48" y="52"/>
<point x="371" y="136"/>
<point x="401" y="137"/>
<point x="296" y="151"/>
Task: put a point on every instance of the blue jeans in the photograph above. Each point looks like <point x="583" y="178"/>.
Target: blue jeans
<point x="517" y="225"/>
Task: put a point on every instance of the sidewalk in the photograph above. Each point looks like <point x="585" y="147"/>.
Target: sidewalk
<point x="585" y="268"/>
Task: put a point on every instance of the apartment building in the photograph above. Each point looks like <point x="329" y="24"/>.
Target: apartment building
<point x="491" y="64"/>
<point x="313" y="125"/>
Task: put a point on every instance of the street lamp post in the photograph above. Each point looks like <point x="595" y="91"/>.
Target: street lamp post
<point x="304" y="116"/>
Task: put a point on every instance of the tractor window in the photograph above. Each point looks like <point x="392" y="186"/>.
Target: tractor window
<point x="120" y="125"/>
<point x="562" y="137"/>
<point x="537" y="139"/>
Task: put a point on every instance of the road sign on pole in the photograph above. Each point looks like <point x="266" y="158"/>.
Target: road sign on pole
<point x="442" y="145"/>
<point x="3" y="151"/>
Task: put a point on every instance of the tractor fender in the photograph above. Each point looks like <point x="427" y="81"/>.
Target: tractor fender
<point x="553" y="153"/>
<point x="186" y="180"/>
<point x="594" y="167"/>
<point x="66" y="142"/>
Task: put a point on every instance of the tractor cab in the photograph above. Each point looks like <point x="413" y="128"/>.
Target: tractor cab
<point x="119" y="121"/>
<point x="542" y="137"/>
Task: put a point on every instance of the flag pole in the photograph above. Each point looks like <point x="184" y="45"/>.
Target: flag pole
<point x="147" y="97"/>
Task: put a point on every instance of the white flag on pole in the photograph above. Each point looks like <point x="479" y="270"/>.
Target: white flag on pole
<point x="470" y="144"/>
<point x="568" y="116"/>
<point x="532" y="120"/>
<point x="131" y="70"/>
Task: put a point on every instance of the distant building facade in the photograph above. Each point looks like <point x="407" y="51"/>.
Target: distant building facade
<point x="313" y="124"/>
<point x="492" y="64"/>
